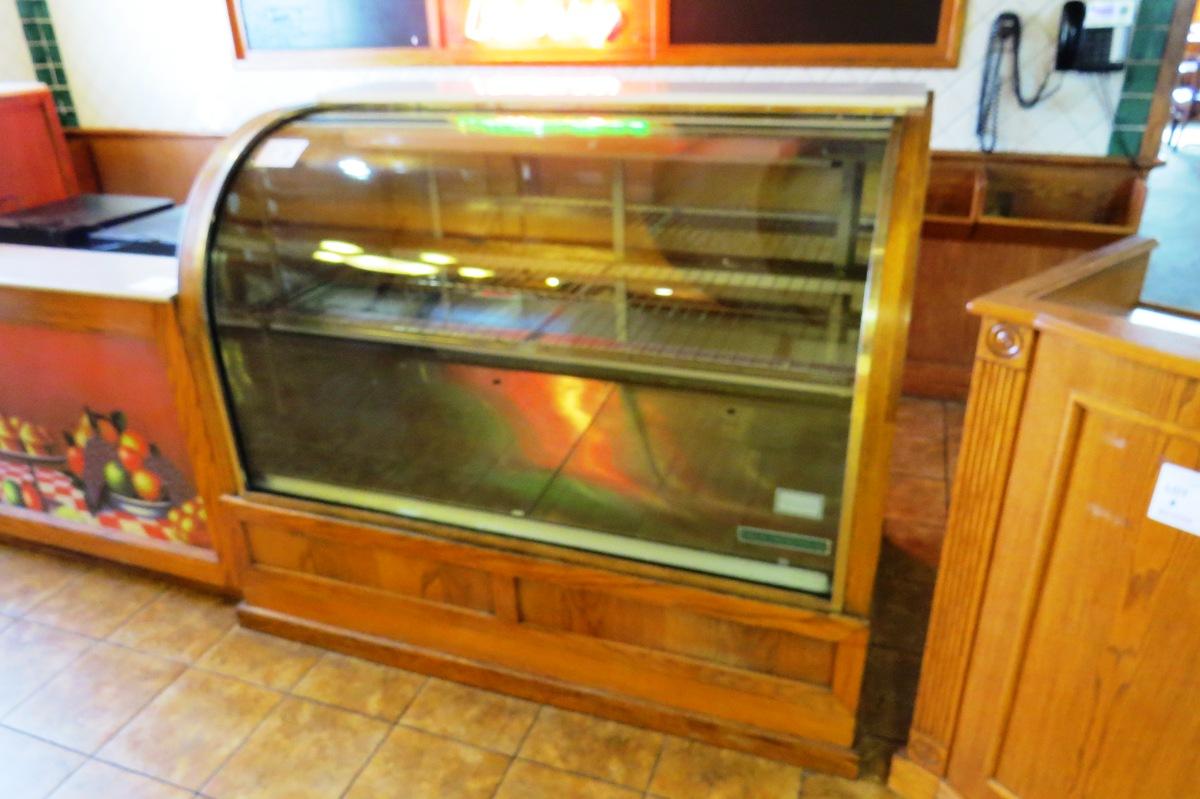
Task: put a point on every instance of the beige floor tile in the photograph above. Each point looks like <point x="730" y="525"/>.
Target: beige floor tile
<point x="917" y="499"/>
<point x="595" y="747"/>
<point x="189" y="730"/>
<point x="96" y="603"/>
<point x="26" y="578"/>
<point x="416" y="765"/>
<point x="360" y="685"/>
<point x="688" y="769"/>
<point x="920" y="451"/>
<point x="180" y="624"/>
<point x="31" y="769"/>
<point x="98" y="780"/>
<point x="302" y="751"/>
<point x="30" y="655"/>
<point x="526" y="780"/>
<point x="93" y="697"/>
<point x="823" y="786"/>
<point x="265" y="659"/>
<point x="482" y="718"/>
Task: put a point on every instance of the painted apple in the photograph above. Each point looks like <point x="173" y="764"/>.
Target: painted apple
<point x="11" y="490"/>
<point x="31" y="498"/>
<point x="117" y="479"/>
<point x="147" y="485"/>
<point x="130" y="459"/>
<point x="75" y="460"/>
<point x="136" y="442"/>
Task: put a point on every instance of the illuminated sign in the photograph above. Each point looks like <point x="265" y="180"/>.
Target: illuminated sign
<point x="526" y="125"/>
<point x="528" y="23"/>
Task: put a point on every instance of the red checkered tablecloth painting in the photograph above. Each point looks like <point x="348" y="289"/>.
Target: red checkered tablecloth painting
<point x="185" y="523"/>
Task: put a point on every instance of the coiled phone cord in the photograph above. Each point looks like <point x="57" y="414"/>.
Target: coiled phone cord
<point x="1007" y="27"/>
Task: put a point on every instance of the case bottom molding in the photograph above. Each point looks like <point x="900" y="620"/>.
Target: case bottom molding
<point x="826" y="758"/>
<point x="911" y="781"/>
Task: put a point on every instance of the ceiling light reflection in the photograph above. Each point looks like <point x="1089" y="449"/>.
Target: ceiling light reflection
<point x="354" y="168"/>
<point x="391" y="266"/>
<point x="438" y="258"/>
<point x="340" y="247"/>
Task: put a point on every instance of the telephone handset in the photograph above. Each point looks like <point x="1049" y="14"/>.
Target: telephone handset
<point x="1094" y="37"/>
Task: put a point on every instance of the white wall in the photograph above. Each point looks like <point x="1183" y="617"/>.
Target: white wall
<point x="168" y="64"/>
<point x="14" y="55"/>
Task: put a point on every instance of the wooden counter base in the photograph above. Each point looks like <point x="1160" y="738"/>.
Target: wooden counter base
<point x="776" y="680"/>
<point x="841" y="761"/>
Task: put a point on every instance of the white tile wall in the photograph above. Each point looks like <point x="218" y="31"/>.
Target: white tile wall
<point x="14" y="55"/>
<point x="168" y="64"/>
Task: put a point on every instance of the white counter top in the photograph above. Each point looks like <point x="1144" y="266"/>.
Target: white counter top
<point x="150" y="278"/>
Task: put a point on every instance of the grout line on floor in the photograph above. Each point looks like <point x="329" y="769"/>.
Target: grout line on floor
<point x="51" y="677"/>
<point x="242" y="743"/>
<point x="662" y="747"/>
<point x="520" y="745"/>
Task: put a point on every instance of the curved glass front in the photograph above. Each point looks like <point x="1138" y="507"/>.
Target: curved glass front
<point x="634" y="335"/>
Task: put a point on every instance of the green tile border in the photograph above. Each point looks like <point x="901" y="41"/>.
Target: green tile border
<point x="47" y="59"/>
<point x="1148" y="42"/>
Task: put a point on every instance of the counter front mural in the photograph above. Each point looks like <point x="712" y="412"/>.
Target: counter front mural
<point x="122" y="469"/>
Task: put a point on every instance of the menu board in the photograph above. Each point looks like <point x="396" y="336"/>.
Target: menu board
<point x="333" y="24"/>
<point x="805" y="22"/>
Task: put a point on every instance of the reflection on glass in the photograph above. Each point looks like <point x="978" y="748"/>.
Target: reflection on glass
<point x="632" y="335"/>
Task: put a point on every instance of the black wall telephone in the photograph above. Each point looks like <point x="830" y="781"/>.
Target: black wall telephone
<point x="1094" y="37"/>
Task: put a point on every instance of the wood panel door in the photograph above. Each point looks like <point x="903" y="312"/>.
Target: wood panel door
<point x="1086" y="676"/>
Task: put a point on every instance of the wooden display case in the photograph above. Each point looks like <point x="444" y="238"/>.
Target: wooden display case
<point x="1061" y="653"/>
<point x="585" y="399"/>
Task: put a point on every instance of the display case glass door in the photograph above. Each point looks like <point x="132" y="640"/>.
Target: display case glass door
<point x="633" y="335"/>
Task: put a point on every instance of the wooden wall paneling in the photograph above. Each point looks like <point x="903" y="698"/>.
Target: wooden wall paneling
<point x="150" y="163"/>
<point x="35" y="164"/>
<point x="950" y="272"/>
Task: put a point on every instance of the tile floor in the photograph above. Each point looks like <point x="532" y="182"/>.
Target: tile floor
<point x="115" y="684"/>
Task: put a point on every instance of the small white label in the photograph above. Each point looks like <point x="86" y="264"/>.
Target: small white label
<point x="280" y="153"/>
<point x="1108" y="14"/>
<point x="803" y="504"/>
<point x="1176" y="500"/>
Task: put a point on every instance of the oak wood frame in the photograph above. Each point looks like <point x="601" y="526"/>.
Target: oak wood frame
<point x="294" y="583"/>
<point x="651" y="49"/>
<point x="156" y="323"/>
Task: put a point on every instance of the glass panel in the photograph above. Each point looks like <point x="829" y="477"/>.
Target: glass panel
<point x="635" y="335"/>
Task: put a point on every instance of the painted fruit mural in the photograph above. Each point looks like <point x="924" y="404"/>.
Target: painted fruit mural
<point x="102" y="472"/>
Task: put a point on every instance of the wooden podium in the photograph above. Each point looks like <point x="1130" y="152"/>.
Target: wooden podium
<point x="1064" y="646"/>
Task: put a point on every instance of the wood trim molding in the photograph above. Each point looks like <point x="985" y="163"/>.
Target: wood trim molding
<point x="998" y="388"/>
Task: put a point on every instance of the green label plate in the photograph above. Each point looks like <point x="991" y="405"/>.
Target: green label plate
<point x="781" y="540"/>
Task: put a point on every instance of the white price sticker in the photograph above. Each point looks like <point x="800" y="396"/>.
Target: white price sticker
<point x="1176" y="500"/>
<point x="801" y="504"/>
<point x="280" y="153"/>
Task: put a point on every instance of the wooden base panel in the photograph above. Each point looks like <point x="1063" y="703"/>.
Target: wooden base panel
<point x="826" y="758"/>
<point x="911" y="781"/>
<point x="201" y="568"/>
